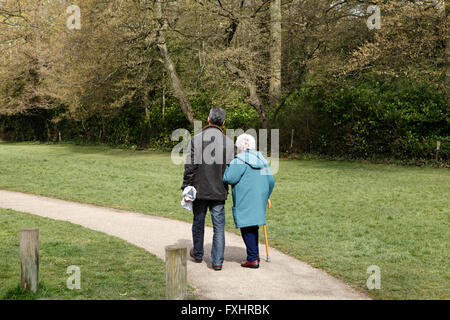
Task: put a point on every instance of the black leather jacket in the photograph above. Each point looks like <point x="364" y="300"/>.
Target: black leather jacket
<point x="209" y="153"/>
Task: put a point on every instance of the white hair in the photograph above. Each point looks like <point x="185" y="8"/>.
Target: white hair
<point x="244" y="142"/>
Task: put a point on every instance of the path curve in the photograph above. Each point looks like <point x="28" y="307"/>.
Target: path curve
<point x="283" y="278"/>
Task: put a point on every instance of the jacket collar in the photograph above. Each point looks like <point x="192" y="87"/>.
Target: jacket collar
<point x="212" y="126"/>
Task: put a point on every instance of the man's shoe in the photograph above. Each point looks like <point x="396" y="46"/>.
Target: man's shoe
<point x="191" y="253"/>
<point x="250" y="264"/>
<point x="217" y="268"/>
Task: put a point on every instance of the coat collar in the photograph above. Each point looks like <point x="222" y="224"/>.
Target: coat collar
<point x="212" y="126"/>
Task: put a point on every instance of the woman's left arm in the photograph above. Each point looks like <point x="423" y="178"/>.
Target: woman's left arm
<point x="271" y="183"/>
<point x="234" y="172"/>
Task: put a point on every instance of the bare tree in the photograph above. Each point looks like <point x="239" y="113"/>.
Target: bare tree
<point x="175" y="81"/>
<point x="275" y="52"/>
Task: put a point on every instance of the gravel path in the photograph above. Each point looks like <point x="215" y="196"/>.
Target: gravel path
<point x="283" y="278"/>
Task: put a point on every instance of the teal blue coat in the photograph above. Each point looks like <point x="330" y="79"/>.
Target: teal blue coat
<point x="252" y="184"/>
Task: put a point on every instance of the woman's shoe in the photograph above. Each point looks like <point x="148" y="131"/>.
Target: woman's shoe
<point x="250" y="264"/>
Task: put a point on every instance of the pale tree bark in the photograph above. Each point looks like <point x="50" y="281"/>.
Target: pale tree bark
<point x="275" y="52"/>
<point x="275" y="64"/>
<point x="37" y="59"/>
<point x="447" y="67"/>
<point x="163" y="52"/>
<point x="253" y="98"/>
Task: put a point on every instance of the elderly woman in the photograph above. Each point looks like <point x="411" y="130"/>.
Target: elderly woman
<point x="252" y="183"/>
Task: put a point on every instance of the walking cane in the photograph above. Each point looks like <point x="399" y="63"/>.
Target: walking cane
<point x="269" y="204"/>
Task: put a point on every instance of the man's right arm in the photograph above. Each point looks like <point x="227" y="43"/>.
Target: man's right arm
<point x="190" y="167"/>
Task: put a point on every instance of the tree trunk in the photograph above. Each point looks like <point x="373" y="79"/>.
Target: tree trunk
<point x="103" y="136"/>
<point x="175" y="81"/>
<point x="164" y="101"/>
<point x="275" y="52"/>
<point x="145" y="135"/>
<point x="447" y="67"/>
<point x="84" y="137"/>
<point x="49" y="135"/>
<point x="253" y="97"/>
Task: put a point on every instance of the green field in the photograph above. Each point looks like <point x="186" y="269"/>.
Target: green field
<point x="110" y="267"/>
<point x="339" y="216"/>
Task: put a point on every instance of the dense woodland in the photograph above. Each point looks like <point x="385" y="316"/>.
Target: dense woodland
<point x="129" y="72"/>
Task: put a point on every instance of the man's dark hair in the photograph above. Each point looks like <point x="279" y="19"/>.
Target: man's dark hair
<point x="217" y="116"/>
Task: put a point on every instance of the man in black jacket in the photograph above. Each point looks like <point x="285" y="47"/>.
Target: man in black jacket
<point x="208" y="154"/>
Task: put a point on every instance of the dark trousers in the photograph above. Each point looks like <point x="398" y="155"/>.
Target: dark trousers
<point x="250" y="236"/>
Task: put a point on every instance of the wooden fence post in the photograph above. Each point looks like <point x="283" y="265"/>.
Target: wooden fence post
<point x="176" y="273"/>
<point x="29" y="259"/>
<point x="438" y="147"/>
<point x="292" y="138"/>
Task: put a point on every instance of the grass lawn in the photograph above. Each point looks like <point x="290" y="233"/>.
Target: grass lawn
<point x="110" y="267"/>
<point x="339" y="216"/>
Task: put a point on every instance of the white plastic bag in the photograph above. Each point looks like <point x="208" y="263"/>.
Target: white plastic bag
<point x="189" y="193"/>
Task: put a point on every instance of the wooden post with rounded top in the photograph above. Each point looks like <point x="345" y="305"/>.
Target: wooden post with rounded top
<point x="176" y="272"/>
<point x="29" y="260"/>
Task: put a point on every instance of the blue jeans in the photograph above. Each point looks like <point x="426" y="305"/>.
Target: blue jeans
<point x="250" y="236"/>
<point x="217" y="210"/>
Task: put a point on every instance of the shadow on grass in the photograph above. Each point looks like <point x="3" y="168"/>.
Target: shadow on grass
<point x="104" y="149"/>
<point x="87" y="148"/>
<point x="232" y="253"/>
